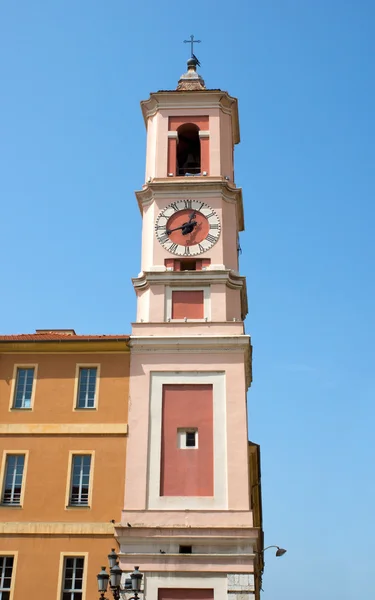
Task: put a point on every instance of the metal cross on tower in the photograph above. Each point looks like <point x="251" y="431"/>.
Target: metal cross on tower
<point x="192" y="41"/>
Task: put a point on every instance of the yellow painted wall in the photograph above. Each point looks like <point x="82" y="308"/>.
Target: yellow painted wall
<point x="38" y="566"/>
<point x="49" y="434"/>
<point x="55" y="385"/>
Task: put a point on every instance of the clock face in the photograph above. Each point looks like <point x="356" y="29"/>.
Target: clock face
<point x="187" y="227"/>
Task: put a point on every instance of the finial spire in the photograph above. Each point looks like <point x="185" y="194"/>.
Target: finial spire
<point x="191" y="80"/>
<point x="192" y="41"/>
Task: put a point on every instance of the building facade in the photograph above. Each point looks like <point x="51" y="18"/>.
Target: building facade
<point x="195" y="518"/>
<point x="63" y="427"/>
<point x="173" y="486"/>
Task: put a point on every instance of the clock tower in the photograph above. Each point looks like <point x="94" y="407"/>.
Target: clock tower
<point x="192" y="512"/>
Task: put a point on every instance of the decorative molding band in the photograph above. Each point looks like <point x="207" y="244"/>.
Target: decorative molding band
<point x="204" y="134"/>
<point x="72" y="347"/>
<point x="218" y="343"/>
<point x="56" y="528"/>
<point x="205" y="277"/>
<point x="201" y="187"/>
<point x="173" y="134"/>
<point x="209" y="534"/>
<point x="117" y="429"/>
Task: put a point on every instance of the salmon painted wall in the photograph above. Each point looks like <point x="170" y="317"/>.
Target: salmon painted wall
<point x="142" y="365"/>
<point x="187" y="471"/>
<point x="223" y="252"/>
<point x="187" y="304"/>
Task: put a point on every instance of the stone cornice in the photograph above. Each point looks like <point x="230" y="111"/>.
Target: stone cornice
<point x="55" y="528"/>
<point x="201" y="99"/>
<point x="228" y="277"/>
<point x="214" y="344"/>
<point x="201" y="187"/>
<point x="218" y="534"/>
<point x="68" y="429"/>
<point x="205" y="277"/>
<point x="73" y="347"/>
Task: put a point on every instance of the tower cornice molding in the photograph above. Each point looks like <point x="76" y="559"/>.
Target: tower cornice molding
<point x="214" y="344"/>
<point x="182" y="187"/>
<point x="232" y="279"/>
<point x="188" y="99"/>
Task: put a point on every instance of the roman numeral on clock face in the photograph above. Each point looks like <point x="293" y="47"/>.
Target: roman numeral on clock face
<point x="210" y="238"/>
<point x="175" y="206"/>
<point x="172" y="248"/>
<point x="163" y="238"/>
<point x="188" y="203"/>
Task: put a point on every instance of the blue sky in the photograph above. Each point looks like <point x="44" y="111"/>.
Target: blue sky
<point x="72" y="149"/>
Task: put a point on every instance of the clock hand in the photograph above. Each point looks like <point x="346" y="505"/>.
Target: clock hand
<point x="192" y="216"/>
<point x="168" y="231"/>
<point x="186" y="227"/>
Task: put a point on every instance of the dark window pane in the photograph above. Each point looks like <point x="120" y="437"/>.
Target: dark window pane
<point x="190" y="438"/>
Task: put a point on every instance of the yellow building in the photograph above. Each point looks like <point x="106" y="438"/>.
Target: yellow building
<point x="63" y="428"/>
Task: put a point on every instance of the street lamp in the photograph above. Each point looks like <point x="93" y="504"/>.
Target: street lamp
<point x="279" y="551"/>
<point x="114" y="579"/>
<point x="102" y="578"/>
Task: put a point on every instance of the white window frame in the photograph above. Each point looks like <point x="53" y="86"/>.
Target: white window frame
<point x="181" y="438"/>
<point x="6" y="456"/>
<point x="13" y="391"/>
<point x="80" y="366"/>
<point x="3" y="557"/>
<point x="73" y="591"/>
<point x="220" y="499"/>
<point x="206" y="289"/>
<point x="68" y="504"/>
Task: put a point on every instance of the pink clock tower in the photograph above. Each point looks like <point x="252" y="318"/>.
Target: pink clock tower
<point x="192" y="492"/>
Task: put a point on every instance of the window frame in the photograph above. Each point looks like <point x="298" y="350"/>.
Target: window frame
<point x="13" y="390"/>
<point x="6" y="454"/>
<point x="80" y="366"/>
<point x="182" y="438"/>
<point x="206" y="289"/>
<point x="10" y="554"/>
<point x="61" y="580"/>
<point x="68" y="503"/>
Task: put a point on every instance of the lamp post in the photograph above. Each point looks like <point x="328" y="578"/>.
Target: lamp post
<point x="114" y="579"/>
<point x="279" y="551"/>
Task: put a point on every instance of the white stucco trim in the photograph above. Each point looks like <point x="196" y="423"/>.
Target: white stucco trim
<point x="204" y="133"/>
<point x="206" y="301"/>
<point x="173" y="134"/>
<point x="220" y="499"/>
<point x="155" y="581"/>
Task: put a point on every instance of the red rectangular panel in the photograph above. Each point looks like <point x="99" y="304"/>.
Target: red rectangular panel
<point x="187" y="304"/>
<point x="176" y="122"/>
<point x="187" y="471"/>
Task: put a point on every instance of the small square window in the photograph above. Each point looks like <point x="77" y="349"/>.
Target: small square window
<point x="190" y="439"/>
<point x="185" y="550"/>
<point x="187" y="438"/>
